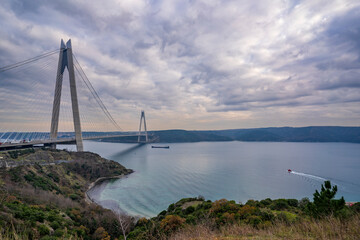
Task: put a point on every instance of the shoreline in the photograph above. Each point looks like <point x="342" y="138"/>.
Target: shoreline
<point x="98" y="181"/>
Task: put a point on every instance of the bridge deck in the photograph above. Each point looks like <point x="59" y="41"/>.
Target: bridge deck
<point x="6" y="146"/>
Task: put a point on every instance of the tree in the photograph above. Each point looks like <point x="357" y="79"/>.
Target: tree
<point x="324" y="204"/>
<point x="101" y="234"/>
<point x="3" y="193"/>
<point x="126" y="222"/>
<point x="171" y="223"/>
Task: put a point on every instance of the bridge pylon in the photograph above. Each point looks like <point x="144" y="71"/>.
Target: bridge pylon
<point x="146" y="133"/>
<point x="66" y="60"/>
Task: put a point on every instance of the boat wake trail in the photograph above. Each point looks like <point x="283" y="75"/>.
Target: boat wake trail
<point x="313" y="177"/>
<point x="342" y="185"/>
<point x="313" y="180"/>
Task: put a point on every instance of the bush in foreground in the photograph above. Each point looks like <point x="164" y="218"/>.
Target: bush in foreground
<point x="199" y="219"/>
<point x="324" y="203"/>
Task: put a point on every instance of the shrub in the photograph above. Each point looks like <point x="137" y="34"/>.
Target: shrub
<point x="201" y="198"/>
<point x="254" y="220"/>
<point x="48" y="238"/>
<point x="55" y="225"/>
<point x="58" y="233"/>
<point x="142" y="222"/>
<point x="100" y="233"/>
<point x="14" y="154"/>
<point x="207" y="205"/>
<point x="303" y="202"/>
<point x="222" y="206"/>
<point x="266" y="215"/>
<point x="218" y="205"/>
<point x="52" y="216"/>
<point x="81" y="231"/>
<point x="54" y="176"/>
<point x="266" y="202"/>
<point x="74" y="196"/>
<point x="246" y="211"/>
<point x="252" y="202"/>
<point x="293" y="202"/>
<point x="189" y="210"/>
<point x="171" y="207"/>
<point x="15" y="174"/>
<point x="43" y="230"/>
<point x="279" y="204"/>
<point x="162" y="213"/>
<point x="40" y="182"/>
<point x="356" y="207"/>
<point x="286" y="217"/>
<point x="344" y="213"/>
<point x="190" y="219"/>
<point x="171" y="223"/>
<point x="324" y="204"/>
<point x="227" y="218"/>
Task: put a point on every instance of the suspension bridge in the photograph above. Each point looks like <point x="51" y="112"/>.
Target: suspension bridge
<point x="25" y="100"/>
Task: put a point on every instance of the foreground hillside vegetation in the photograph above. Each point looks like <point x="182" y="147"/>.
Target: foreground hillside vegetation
<point x="43" y="197"/>
<point x="195" y="218"/>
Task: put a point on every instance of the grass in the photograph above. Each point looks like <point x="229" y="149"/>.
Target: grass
<point x="326" y="229"/>
<point x="192" y="203"/>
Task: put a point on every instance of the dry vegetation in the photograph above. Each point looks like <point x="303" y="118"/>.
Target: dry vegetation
<point x="326" y="229"/>
<point x="194" y="218"/>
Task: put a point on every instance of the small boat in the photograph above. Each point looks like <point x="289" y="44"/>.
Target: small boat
<point x="289" y="171"/>
<point x="160" y="146"/>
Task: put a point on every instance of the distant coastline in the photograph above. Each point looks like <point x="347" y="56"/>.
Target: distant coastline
<point x="271" y="134"/>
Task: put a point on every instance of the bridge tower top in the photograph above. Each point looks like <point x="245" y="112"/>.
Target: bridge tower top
<point x="66" y="60"/>
<point x="145" y="129"/>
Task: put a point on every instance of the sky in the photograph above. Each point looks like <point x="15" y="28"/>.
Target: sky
<point x="202" y="64"/>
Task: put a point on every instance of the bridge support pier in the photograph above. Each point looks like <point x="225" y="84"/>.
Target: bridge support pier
<point x="66" y="60"/>
<point x="141" y="120"/>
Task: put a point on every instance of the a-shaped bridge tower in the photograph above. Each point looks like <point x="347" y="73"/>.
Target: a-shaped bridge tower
<point x="25" y="136"/>
<point x="66" y="61"/>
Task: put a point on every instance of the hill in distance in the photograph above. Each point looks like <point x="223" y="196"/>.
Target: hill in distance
<point x="272" y="134"/>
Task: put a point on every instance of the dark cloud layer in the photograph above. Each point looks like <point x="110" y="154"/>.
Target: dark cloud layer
<point x="204" y="64"/>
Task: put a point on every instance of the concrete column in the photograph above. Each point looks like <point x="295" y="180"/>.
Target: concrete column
<point x="146" y="134"/>
<point x="66" y="60"/>
<point x="141" y="119"/>
<point x="57" y="94"/>
<point x="74" y="99"/>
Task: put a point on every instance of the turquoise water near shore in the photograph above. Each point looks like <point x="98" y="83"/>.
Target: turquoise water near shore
<point x="233" y="170"/>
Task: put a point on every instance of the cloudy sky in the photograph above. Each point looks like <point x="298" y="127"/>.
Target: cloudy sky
<point x="205" y="64"/>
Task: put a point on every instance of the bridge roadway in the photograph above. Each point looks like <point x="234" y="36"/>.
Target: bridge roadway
<point x="6" y="146"/>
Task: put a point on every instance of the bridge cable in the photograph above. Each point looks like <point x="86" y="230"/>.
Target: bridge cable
<point x="18" y="64"/>
<point x="34" y="83"/>
<point x="95" y="94"/>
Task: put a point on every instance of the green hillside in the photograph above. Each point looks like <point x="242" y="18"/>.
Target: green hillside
<point x="282" y="134"/>
<point x="44" y="198"/>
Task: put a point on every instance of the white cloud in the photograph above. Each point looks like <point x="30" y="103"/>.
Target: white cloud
<point x="203" y="64"/>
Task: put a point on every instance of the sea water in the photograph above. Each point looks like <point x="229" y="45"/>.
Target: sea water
<point x="233" y="170"/>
